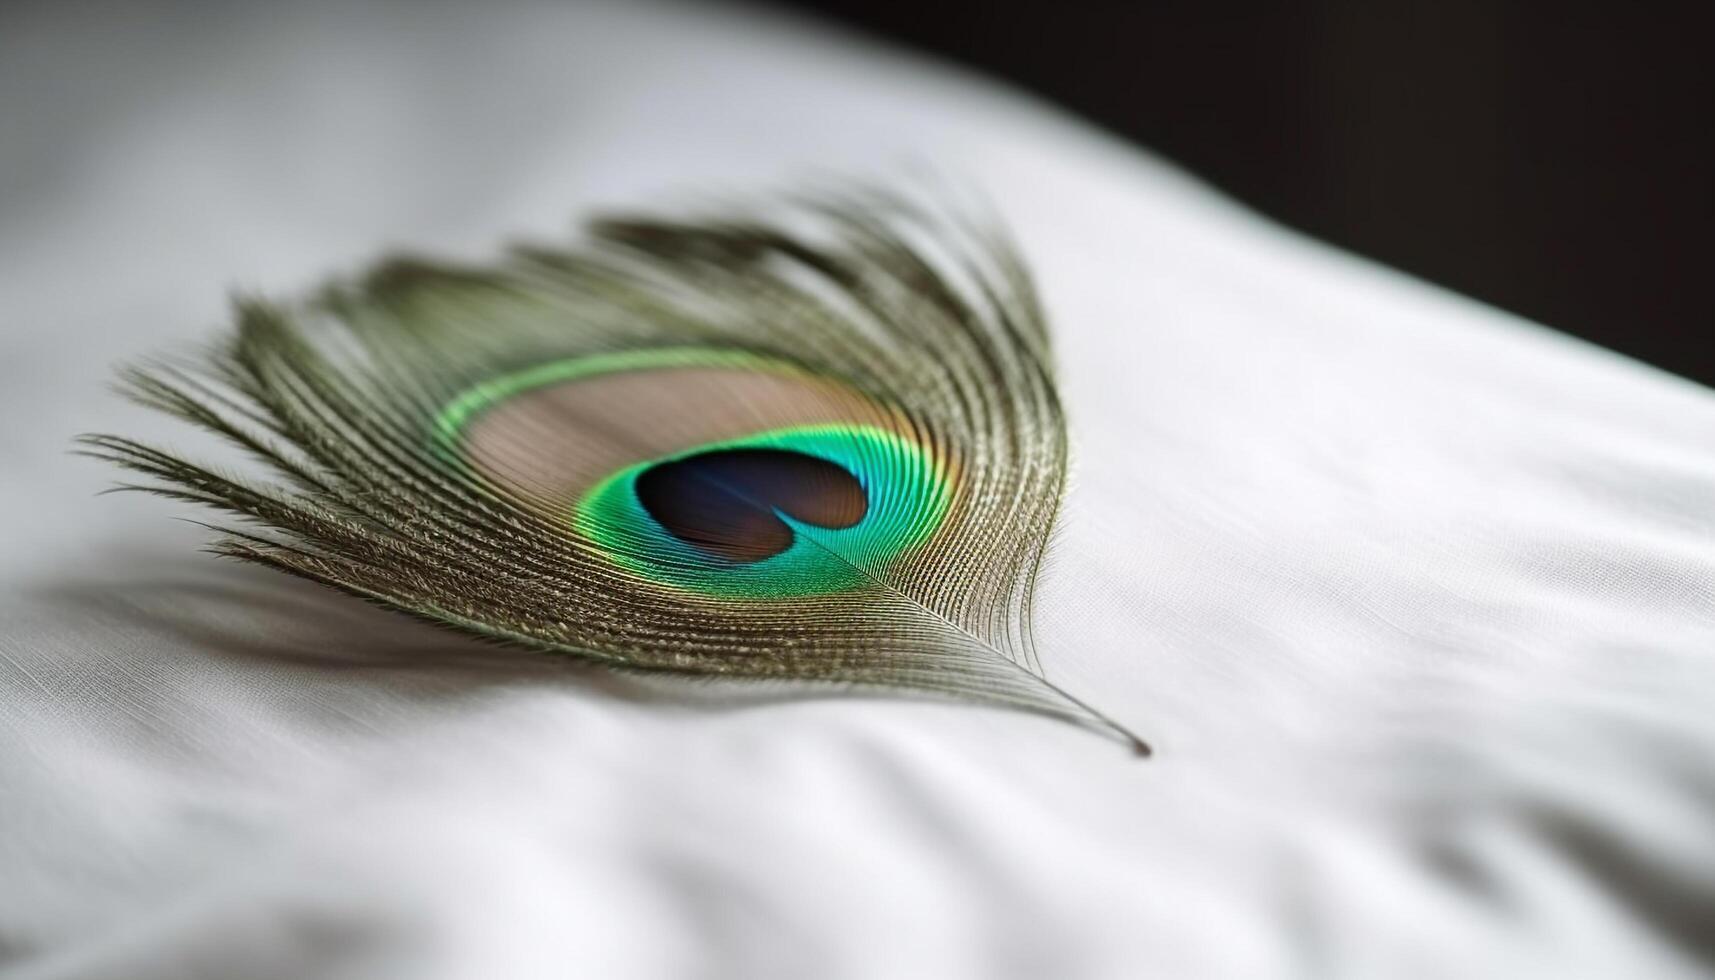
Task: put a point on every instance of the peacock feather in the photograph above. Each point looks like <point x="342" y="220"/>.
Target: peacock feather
<point x="822" y="446"/>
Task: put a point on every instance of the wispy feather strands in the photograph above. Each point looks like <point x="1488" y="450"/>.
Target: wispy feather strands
<point x="821" y="447"/>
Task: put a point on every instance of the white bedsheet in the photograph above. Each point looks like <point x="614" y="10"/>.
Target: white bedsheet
<point x="1415" y="600"/>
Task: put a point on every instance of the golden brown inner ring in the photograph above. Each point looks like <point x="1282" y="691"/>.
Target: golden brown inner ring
<point x="550" y="444"/>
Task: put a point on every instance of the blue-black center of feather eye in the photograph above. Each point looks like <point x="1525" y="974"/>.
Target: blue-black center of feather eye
<point x="728" y="502"/>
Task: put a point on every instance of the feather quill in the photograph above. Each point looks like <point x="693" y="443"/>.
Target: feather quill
<point x="824" y="446"/>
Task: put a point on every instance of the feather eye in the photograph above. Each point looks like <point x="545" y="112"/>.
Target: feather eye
<point x="722" y="475"/>
<point x="826" y="447"/>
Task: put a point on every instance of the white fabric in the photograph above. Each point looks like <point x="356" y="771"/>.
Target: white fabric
<point x="1415" y="600"/>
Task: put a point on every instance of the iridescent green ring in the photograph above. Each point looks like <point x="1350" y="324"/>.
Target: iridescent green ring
<point x="907" y="489"/>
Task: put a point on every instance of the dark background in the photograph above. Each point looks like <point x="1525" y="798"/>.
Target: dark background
<point x="1554" y="159"/>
